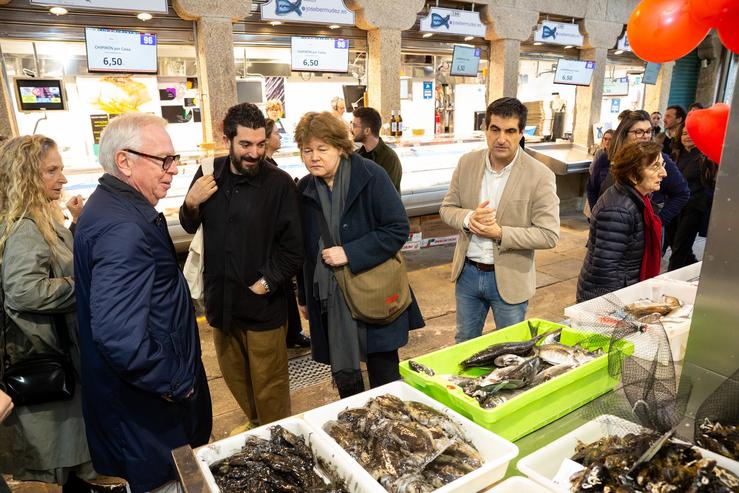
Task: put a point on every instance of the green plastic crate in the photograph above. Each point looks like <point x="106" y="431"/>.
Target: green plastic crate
<point x="530" y="410"/>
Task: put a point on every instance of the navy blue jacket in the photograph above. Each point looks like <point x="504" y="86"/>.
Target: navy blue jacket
<point x="615" y="244"/>
<point x="139" y="340"/>
<point x="374" y="227"/>
<point x="669" y="200"/>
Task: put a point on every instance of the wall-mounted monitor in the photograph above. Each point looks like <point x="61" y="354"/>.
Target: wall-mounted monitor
<point x="574" y="72"/>
<point x="250" y="90"/>
<point x="465" y="61"/>
<point x="312" y="54"/>
<point x="40" y="94"/>
<point x="116" y="50"/>
<point x="651" y="72"/>
<point x="353" y="97"/>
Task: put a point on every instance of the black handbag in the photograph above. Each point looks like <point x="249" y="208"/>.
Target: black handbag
<point x="38" y="378"/>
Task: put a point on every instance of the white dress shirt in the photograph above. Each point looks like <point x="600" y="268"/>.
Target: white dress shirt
<point x="493" y="183"/>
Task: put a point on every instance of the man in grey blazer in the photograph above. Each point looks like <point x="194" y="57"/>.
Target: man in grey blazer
<point x="505" y="204"/>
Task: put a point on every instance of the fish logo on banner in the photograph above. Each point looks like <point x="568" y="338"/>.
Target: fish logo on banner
<point x="284" y="7"/>
<point x="549" y="32"/>
<point x="438" y="20"/>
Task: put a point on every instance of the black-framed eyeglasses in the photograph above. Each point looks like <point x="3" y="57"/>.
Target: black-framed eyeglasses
<point x="166" y="161"/>
<point x="639" y="133"/>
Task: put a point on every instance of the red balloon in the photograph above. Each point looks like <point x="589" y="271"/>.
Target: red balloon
<point x="728" y="32"/>
<point x="663" y="30"/>
<point x="713" y="12"/>
<point x="707" y="128"/>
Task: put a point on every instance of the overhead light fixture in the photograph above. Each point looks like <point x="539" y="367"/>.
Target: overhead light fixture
<point x="58" y="10"/>
<point x="538" y="43"/>
<point x="427" y="35"/>
<point x="144" y="16"/>
<point x="469" y="38"/>
<point x="569" y="47"/>
<point x="275" y="23"/>
<point x="618" y="52"/>
<point x="334" y="26"/>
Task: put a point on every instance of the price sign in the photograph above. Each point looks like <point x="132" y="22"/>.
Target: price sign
<point x="112" y="50"/>
<point x="574" y="72"/>
<point x="465" y="61"/>
<point x="320" y="54"/>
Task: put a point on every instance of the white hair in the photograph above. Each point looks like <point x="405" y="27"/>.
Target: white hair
<point x="124" y="132"/>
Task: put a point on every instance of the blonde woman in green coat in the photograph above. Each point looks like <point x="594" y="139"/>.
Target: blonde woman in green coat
<point x="43" y="442"/>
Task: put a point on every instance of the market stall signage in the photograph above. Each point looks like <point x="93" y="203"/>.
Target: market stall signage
<point x="312" y="11"/>
<point x="618" y="86"/>
<point x="574" y="72"/>
<point x="151" y="6"/>
<point x="623" y="43"/>
<point x="559" y="33"/>
<point x="453" y="21"/>
<point x="428" y="89"/>
<point x="112" y="50"/>
<point x="319" y="54"/>
<point x="651" y="72"/>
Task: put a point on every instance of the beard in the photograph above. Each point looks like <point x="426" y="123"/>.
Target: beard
<point x="246" y="165"/>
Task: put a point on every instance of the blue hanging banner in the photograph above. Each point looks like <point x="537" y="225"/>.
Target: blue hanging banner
<point x="615" y="105"/>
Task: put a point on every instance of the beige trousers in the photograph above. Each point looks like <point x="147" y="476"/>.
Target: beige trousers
<point x="254" y="365"/>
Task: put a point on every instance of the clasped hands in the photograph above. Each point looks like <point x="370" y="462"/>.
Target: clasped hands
<point x="483" y="222"/>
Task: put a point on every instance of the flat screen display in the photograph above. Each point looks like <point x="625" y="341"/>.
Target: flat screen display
<point x="309" y="54"/>
<point x="465" y="61"/>
<point x="250" y="91"/>
<point x="651" y="72"/>
<point x="353" y="97"/>
<point x="39" y="94"/>
<point x="115" y="50"/>
<point x="574" y="72"/>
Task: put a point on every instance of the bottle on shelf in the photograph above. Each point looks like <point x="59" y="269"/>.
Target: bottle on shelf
<point x="393" y="125"/>
<point x="399" y="132"/>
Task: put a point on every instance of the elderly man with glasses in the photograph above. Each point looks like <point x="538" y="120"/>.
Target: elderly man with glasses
<point x="144" y="390"/>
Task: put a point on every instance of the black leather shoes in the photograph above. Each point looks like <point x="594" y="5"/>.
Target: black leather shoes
<point x="299" y="342"/>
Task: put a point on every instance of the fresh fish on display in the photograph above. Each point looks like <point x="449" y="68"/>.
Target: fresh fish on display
<point x="523" y="372"/>
<point x="419" y="368"/>
<point x="487" y="356"/>
<point x="284" y="7"/>
<point x="508" y="360"/>
<point x="408" y="447"/>
<point x="557" y="354"/>
<point x="551" y="372"/>
<point x="644" y="307"/>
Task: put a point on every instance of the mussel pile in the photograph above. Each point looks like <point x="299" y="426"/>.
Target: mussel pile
<point x="408" y="447"/>
<point x="676" y="467"/>
<point x="284" y="463"/>
<point x="718" y="438"/>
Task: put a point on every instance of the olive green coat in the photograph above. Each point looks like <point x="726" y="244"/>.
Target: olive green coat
<point x="41" y="442"/>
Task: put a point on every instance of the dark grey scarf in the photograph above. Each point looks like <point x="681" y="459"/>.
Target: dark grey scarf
<point x="346" y="337"/>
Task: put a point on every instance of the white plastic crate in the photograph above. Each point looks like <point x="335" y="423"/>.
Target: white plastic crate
<point x="542" y="465"/>
<point x="496" y="451"/>
<point x="690" y="274"/>
<point x="325" y="451"/>
<point x="518" y="484"/>
<point x="677" y="332"/>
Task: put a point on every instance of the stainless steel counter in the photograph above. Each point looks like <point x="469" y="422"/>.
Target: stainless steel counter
<point x="563" y="158"/>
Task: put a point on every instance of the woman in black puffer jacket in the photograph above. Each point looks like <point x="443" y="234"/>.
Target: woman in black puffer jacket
<point x="624" y="246"/>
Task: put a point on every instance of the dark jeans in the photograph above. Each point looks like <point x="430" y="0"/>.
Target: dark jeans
<point x="681" y="234"/>
<point x="382" y="368"/>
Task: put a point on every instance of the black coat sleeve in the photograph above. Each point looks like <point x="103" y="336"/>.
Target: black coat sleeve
<point x="613" y="231"/>
<point x="189" y="221"/>
<point x="287" y="257"/>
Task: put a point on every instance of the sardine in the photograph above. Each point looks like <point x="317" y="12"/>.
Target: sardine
<point x="419" y="368"/>
<point x="557" y="354"/>
<point x="549" y="373"/>
<point x="487" y="356"/>
<point x="508" y="360"/>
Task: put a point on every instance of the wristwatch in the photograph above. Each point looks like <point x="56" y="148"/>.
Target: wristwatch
<point x="264" y="284"/>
